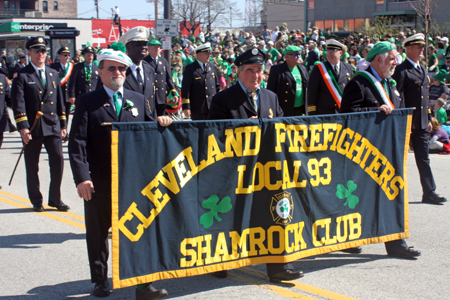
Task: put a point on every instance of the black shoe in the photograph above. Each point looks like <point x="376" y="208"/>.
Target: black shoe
<point x="12" y="128"/>
<point x="61" y="206"/>
<point x="286" y="276"/>
<point x="101" y="289"/>
<point x="150" y="293"/>
<point x="220" y="274"/>
<point x="354" y="250"/>
<point x="405" y="253"/>
<point x="433" y="199"/>
<point x="38" y="208"/>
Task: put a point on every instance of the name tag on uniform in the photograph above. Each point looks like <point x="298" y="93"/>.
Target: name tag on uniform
<point x="31" y="82"/>
<point x="197" y="78"/>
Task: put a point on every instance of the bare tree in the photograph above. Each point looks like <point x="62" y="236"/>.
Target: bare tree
<point x="424" y="9"/>
<point x="194" y="13"/>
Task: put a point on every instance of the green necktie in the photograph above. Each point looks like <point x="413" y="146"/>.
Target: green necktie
<point x="384" y="82"/>
<point x="117" y="103"/>
<point x="42" y="77"/>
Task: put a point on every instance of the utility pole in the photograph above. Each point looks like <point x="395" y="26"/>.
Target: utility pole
<point x="167" y="15"/>
<point x="231" y="17"/>
<point x="209" y="16"/>
<point x="96" y="7"/>
<point x="156" y="9"/>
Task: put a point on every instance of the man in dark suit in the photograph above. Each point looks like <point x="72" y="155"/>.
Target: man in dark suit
<point x="163" y="76"/>
<point x="363" y="94"/>
<point x="140" y="75"/>
<point x="327" y="81"/>
<point x="246" y="100"/>
<point x="200" y="84"/>
<point x="84" y="78"/>
<point x="64" y="68"/>
<point x="5" y="101"/>
<point x="412" y="83"/>
<point x="20" y="64"/>
<point x="90" y="159"/>
<point x="37" y="88"/>
<point x="289" y="81"/>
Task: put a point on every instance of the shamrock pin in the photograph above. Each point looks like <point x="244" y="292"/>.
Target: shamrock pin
<point x="342" y="193"/>
<point x="224" y="206"/>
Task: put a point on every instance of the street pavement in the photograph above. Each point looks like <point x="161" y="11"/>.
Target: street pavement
<point x="43" y="255"/>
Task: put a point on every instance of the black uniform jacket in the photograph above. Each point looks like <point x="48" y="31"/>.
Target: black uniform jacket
<point x="320" y="100"/>
<point x="5" y="100"/>
<point x="163" y="78"/>
<point x="28" y="96"/>
<point x="65" y="87"/>
<point x="132" y="84"/>
<point x="18" y="66"/>
<point x="233" y="103"/>
<point x="413" y="88"/>
<point x="282" y="83"/>
<point x="90" y="142"/>
<point x="199" y="86"/>
<point x="78" y="84"/>
<point x="359" y="95"/>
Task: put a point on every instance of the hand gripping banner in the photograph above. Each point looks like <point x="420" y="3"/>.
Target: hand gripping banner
<point x="199" y="197"/>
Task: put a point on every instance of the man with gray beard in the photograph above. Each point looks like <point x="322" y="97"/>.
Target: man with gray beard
<point x="90" y="159"/>
<point x="374" y="90"/>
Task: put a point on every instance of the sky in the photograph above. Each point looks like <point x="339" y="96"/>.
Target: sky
<point x="132" y="9"/>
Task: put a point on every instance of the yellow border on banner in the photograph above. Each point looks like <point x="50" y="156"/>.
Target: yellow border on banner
<point x="117" y="283"/>
<point x="115" y="206"/>
<point x="405" y="167"/>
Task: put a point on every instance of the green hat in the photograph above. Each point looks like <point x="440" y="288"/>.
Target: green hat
<point x="154" y="43"/>
<point x="291" y="49"/>
<point x="380" y="48"/>
<point x="440" y="76"/>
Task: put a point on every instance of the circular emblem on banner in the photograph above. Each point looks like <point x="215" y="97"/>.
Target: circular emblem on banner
<point x="255" y="51"/>
<point x="282" y="208"/>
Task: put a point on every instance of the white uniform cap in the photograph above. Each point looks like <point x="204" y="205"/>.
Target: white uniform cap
<point x="136" y="34"/>
<point x="333" y="44"/>
<point x="206" y="47"/>
<point x="418" y="38"/>
<point x="118" y="56"/>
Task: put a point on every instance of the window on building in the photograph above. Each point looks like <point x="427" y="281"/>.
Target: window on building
<point x="349" y="25"/>
<point x="310" y="4"/>
<point x="381" y="1"/>
<point x="13" y="5"/>
<point x="359" y="24"/>
<point x="328" y="25"/>
<point x="55" y="5"/>
<point x="45" y="6"/>
<point x="338" y="25"/>
<point x="6" y="4"/>
<point x="319" y="24"/>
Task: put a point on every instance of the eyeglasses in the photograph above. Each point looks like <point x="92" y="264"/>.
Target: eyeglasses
<point x="112" y="69"/>
<point x="39" y="50"/>
<point x="294" y="54"/>
<point x="66" y="55"/>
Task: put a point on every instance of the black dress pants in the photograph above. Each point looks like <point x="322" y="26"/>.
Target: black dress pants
<point x="53" y="145"/>
<point x="419" y="140"/>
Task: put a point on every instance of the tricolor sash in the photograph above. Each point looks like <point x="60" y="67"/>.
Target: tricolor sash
<point x="378" y="87"/>
<point x="67" y="73"/>
<point x="331" y="83"/>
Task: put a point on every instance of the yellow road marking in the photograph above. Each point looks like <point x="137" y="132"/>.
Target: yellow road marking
<point x="44" y="214"/>
<point x="27" y="201"/>
<point x="271" y="288"/>
<point x="301" y="286"/>
<point x="250" y="271"/>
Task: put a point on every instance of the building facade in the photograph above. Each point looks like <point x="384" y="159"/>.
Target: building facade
<point x="38" y="9"/>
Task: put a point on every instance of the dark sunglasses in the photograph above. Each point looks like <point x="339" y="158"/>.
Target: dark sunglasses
<point x="294" y="54"/>
<point x="66" y="55"/>
<point x="39" y="50"/>
<point x="138" y="44"/>
<point x="112" y="69"/>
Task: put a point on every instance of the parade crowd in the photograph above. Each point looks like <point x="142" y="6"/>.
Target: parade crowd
<point x="274" y="73"/>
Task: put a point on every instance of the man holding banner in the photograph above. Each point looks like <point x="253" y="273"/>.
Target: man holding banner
<point x="327" y="81"/>
<point x="247" y="100"/>
<point x="90" y="159"/>
<point x="373" y="90"/>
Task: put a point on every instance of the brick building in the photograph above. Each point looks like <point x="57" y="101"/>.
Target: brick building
<point x="38" y="9"/>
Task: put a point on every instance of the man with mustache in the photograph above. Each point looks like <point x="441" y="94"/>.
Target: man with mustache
<point x="90" y="159"/>
<point x="363" y="93"/>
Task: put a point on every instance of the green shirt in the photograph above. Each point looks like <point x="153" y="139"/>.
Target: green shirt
<point x="441" y="116"/>
<point x="432" y="60"/>
<point x="441" y="61"/>
<point x="274" y="52"/>
<point x="299" y="96"/>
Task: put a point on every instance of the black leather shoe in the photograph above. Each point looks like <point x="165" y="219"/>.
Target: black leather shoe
<point x="101" y="289"/>
<point x="354" y="250"/>
<point x="286" y="276"/>
<point x="433" y="199"/>
<point x="220" y="274"/>
<point x="38" y="208"/>
<point x="61" y="206"/>
<point x="150" y="293"/>
<point x="405" y="253"/>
